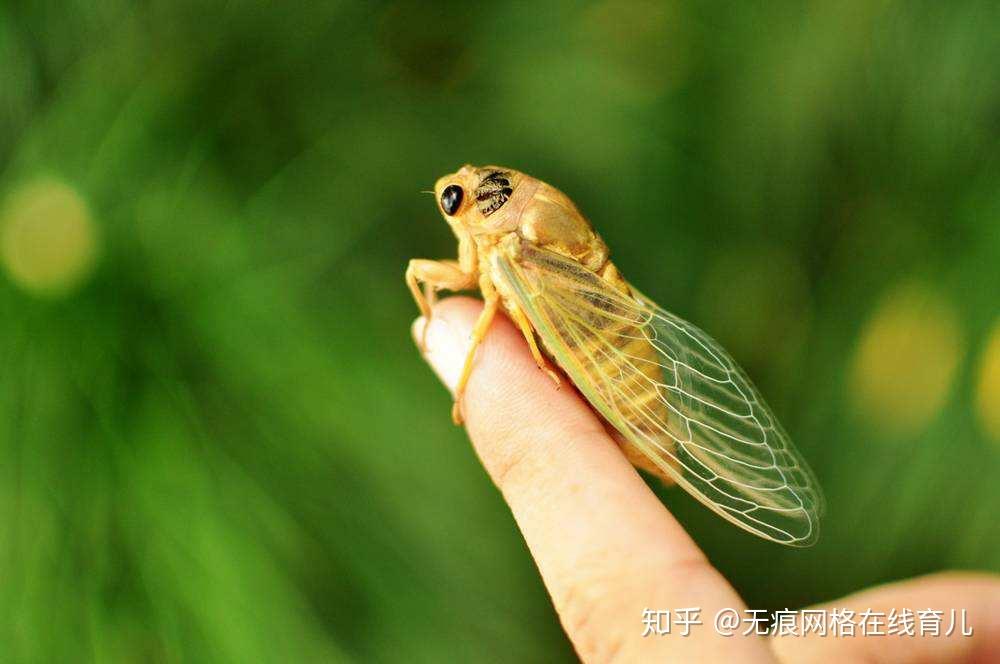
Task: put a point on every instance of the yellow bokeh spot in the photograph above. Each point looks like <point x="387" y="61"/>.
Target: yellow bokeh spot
<point x="48" y="241"/>
<point x="906" y="360"/>
<point x="988" y="386"/>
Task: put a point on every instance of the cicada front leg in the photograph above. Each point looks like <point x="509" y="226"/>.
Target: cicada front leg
<point x="435" y="276"/>
<point x="441" y="275"/>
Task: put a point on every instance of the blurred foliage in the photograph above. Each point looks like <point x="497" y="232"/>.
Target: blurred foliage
<point x="211" y="442"/>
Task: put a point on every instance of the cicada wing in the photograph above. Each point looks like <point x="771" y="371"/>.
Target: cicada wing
<point x="670" y="390"/>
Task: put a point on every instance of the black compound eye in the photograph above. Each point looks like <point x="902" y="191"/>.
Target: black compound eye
<point x="451" y="199"/>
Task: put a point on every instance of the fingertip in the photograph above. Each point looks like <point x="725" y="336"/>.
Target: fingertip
<point x="505" y="386"/>
<point x="417" y="331"/>
<point x="444" y="340"/>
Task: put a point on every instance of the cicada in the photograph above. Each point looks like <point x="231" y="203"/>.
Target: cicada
<point x="677" y="403"/>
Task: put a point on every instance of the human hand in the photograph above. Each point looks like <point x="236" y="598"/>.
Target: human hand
<point x="607" y="548"/>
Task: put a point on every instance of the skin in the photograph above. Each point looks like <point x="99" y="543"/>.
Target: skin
<point x="607" y="548"/>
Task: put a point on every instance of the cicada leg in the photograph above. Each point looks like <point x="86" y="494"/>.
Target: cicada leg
<point x="529" y="335"/>
<point x="491" y="304"/>
<point x="435" y="275"/>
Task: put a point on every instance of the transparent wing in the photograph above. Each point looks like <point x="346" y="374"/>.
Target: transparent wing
<point x="670" y="390"/>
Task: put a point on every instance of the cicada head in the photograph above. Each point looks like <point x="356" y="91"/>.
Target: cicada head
<point x="484" y="199"/>
<point x="481" y="201"/>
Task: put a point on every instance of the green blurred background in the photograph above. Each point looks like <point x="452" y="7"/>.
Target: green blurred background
<point x="217" y="442"/>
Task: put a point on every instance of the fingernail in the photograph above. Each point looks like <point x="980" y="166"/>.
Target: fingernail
<point x="445" y="348"/>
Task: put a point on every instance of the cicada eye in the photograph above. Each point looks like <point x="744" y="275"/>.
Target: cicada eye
<point x="451" y="199"/>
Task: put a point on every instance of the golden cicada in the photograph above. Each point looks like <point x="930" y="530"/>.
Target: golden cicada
<point x="677" y="403"/>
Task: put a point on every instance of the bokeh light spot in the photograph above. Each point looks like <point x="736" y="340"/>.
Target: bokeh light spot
<point x="48" y="241"/>
<point x="988" y="386"/>
<point x="906" y="359"/>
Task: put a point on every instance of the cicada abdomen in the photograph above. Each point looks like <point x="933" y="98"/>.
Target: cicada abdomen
<point x="611" y="337"/>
